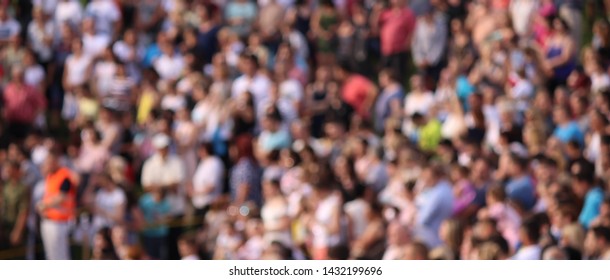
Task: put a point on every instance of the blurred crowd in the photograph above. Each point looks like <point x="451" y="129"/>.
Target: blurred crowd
<point x="305" y="129"/>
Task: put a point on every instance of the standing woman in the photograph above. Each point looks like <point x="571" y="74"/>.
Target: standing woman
<point x="275" y="214"/>
<point x="244" y="181"/>
<point x="560" y="54"/>
<point x="324" y="25"/>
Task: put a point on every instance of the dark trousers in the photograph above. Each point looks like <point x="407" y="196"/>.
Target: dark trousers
<point x="175" y="231"/>
<point x="155" y="246"/>
<point x="399" y="63"/>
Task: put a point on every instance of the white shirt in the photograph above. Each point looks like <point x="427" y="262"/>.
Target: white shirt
<point x="208" y="176"/>
<point x="68" y="11"/>
<point x="173" y="102"/>
<point x="160" y="172"/>
<point x="47" y="6"/>
<point x="95" y="45"/>
<point x="108" y="202"/>
<point x="169" y="68"/>
<point x="419" y="103"/>
<point x="290" y="91"/>
<point x="259" y="86"/>
<point x="77" y="69"/>
<point x="105" y="13"/>
<point x="191" y="258"/>
<point x="104" y="73"/>
<point x="125" y="52"/>
<point x="533" y="252"/>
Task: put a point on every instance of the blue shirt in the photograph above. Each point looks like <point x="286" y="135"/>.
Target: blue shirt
<point x="590" y="209"/>
<point x="521" y="190"/>
<point x="464" y="89"/>
<point x="275" y="140"/>
<point x="434" y="205"/>
<point x="569" y="132"/>
<point x="152" y="211"/>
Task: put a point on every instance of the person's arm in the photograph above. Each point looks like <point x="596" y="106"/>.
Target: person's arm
<point x="395" y="108"/>
<point x="375" y="19"/>
<point x="241" y="195"/>
<point x="64" y="78"/>
<point x="65" y="187"/>
<point x="17" y="233"/>
<point x="370" y="99"/>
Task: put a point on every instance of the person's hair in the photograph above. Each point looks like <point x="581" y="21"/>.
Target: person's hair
<point x="497" y="192"/>
<point x="207" y="147"/>
<point x="243" y="144"/>
<point x="564" y="24"/>
<point x="489" y="251"/>
<point x="420" y="249"/>
<point x="108" y="251"/>
<point x="189" y="239"/>
<point x="338" y="252"/>
<point x="251" y="57"/>
<point x="390" y="73"/>
<point x="554" y="253"/>
<point x="531" y="227"/>
<point x="455" y="235"/>
<point x="521" y="162"/>
<point x="601" y="232"/>
<point x="575" y="236"/>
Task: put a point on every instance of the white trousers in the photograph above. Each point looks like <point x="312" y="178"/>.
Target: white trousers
<point x="56" y="239"/>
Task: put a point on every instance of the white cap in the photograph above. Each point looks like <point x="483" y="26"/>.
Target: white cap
<point x="160" y="141"/>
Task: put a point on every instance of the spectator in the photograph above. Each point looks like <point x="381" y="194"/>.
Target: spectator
<point x="15" y="207"/>
<point x="597" y="243"/>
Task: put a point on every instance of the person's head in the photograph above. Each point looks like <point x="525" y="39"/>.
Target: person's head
<point x="323" y="74"/>
<point x="431" y="174"/>
<point x="554" y="253"/>
<point x="77" y="46"/>
<point x="341" y="71"/>
<point x="582" y="182"/>
<point x="518" y="165"/>
<point x="489" y="251"/>
<point x="272" y="121"/>
<point x="158" y="194"/>
<point x="418" y="119"/>
<point x="529" y="232"/>
<point x="17" y="74"/>
<point x="3" y="13"/>
<point x="51" y="163"/>
<point x="398" y="234"/>
<point x="597" y="241"/>
<point x="459" y="172"/>
<point x="271" y="188"/>
<point x="387" y="76"/>
<point x="12" y="171"/>
<point x="573" y="236"/>
<point x="561" y="115"/>
<point x="417" y="83"/>
<point x="564" y="215"/>
<point x="161" y="143"/>
<point x="598" y="120"/>
<point x="339" y="252"/>
<point x="241" y="148"/>
<point x="451" y="233"/>
<point x="496" y="194"/>
<point x="560" y="26"/>
<point x="248" y="63"/>
<point x="103" y="246"/>
<point x="416" y="251"/>
<point x="205" y="150"/>
<point x="187" y="244"/>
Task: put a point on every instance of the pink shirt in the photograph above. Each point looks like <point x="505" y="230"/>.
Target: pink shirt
<point x="355" y="91"/>
<point x="22" y="103"/>
<point x="508" y="221"/>
<point x="396" y="30"/>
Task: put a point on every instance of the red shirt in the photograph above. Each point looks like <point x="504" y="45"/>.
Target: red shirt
<point x="355" y="91"/>
<point x="22" y="103"/>
<point x="396" y="29"/>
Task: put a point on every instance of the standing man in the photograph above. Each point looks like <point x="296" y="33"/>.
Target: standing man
<point x="165" y="171"/>
<point x="395" y="25"/>
<point x="57" y="208"/>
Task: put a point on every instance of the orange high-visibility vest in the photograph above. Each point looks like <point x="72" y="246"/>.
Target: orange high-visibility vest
<point x="67" y="209"/>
